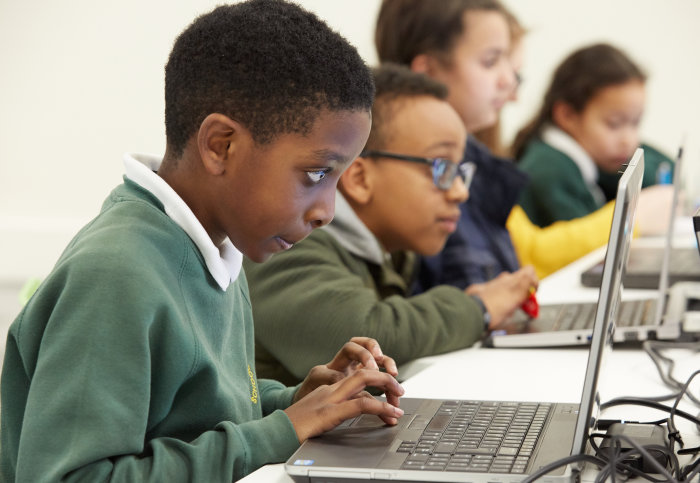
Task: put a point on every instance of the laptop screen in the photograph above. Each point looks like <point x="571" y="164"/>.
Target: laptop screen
<point x="616" y="255"/>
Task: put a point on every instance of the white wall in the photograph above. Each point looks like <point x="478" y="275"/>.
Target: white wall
<point x="82" y="81"/>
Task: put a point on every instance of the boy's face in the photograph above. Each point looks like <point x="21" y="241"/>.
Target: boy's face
<point x="276" y="194"/>
<point x="480" y="75"/>
<point x="608" y="127"/>
<point x="407" y="211"/>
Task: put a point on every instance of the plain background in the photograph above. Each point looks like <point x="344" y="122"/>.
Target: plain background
<point x="81" y="82"/>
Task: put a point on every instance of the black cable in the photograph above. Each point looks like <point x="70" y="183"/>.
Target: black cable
<point x="652" y="348"/>
<point x="621" y="401"/>
<point x="684" y="390"/>
<point x="620" y="466"/>
<point x="644" y="453"/>
<point x="690" y="470"/>
<point x="616" y="462"/>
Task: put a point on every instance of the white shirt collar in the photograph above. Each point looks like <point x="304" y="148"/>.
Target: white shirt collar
<point x="561" y="141"/>
<point x="223" y="262"/>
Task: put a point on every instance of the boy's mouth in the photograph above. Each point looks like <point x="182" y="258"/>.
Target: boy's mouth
<point x="449" y="223"/>
<point x="284" y="244"/>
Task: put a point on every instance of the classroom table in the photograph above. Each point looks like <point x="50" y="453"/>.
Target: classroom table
<point x="554" y="374"/>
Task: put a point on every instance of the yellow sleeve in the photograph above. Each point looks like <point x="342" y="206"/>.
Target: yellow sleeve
<point x="555" y="246"/>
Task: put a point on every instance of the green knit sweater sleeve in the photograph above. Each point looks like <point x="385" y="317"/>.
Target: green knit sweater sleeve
<point x="556" y="190"/>
<point x="275" y="395"/>
<point x="309" y="301"/>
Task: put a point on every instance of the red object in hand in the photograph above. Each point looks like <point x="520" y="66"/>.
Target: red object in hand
<point x="530" y="306"/>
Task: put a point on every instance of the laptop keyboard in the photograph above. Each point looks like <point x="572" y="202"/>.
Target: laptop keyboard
<point x="632" y="313"/>
<point x="476" y="436"/>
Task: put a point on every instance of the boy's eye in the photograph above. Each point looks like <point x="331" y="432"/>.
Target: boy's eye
<point x="317" y="175"/>
<point x="492" y="59"/>
<point x="489" y="62"/>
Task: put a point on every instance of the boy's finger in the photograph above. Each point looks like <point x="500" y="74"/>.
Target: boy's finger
<point x="370" y="344"/>
<point x="352" y="352"/>
<point x="352" y="385"/>
<point x="368" y="405"/>
<point x="392" y="399"/>
<point x="325" y="375"/>
<point x="390" y="366"/>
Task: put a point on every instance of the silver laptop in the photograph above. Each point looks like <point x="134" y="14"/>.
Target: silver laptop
<point x="572" y="323"/>
<point x="480" y="441"/>
<point x="647" y="264"/>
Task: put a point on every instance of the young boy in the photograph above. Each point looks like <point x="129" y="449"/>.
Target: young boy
<point x="134" y="360"/>
<point x="401" y="195"/>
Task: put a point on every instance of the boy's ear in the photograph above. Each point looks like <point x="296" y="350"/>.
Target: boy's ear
<point x="427" y="64"/>
<point x="216" y="141"/>
<point x="564" y="116"/>
<point x="356" y="182"/>
<point x="422" y="64"/>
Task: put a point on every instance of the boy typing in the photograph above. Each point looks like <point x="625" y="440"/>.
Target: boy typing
<point x="134" y="360"/>
<point x="400" y="197"/>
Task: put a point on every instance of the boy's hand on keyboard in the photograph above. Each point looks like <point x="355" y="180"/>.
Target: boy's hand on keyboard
<point x="334" y="392"/>
<point x="359" y="353"/>
<point x="505" y="293"/>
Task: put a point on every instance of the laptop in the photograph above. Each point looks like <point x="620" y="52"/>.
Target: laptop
<point x="646" y="264"/>
<point x="480" y="441"/>
<point x="572" y="323"/>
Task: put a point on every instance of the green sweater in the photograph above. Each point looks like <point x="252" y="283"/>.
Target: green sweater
<point x="557" y="190"/>
<point x="337" y="284"/>
<point x="131" y="364"/>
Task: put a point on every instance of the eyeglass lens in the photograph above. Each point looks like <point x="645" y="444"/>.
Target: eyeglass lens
<point x="445" y="171"/>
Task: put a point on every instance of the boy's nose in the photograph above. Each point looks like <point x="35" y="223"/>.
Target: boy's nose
<point x="458" y="192"/>
<point x="509" y="78"/>
<point x="631" y="139"/>
<point x="321" y="213"/>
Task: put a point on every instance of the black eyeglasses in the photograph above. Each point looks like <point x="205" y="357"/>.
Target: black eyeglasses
<point x="444" y="170"/>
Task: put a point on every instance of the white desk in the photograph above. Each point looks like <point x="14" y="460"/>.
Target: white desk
<point x="554" y="375"/>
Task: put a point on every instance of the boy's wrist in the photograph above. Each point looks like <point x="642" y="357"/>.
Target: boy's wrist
<point x="484" y="311"/>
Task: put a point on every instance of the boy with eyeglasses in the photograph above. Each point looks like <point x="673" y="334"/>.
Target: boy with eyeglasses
<point x="400" y="197"/>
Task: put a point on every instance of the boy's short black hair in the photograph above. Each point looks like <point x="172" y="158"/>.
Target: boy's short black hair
<point x="395" y="84"/>
<point x="268" y="64"/>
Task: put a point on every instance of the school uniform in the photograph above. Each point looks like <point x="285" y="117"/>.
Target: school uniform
<point x="339" y="283"/>
<point x="134" y="360"/>
<point x="565" y="182"/>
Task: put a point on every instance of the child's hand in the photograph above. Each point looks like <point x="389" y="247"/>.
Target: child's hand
<point x="335" y="392"/>
<point x="654" y="209"/>
<point x="360" y="352"/>
<point x="505" y="293"/>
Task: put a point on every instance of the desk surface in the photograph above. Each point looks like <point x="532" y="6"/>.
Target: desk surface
<point x="554" y="375"/>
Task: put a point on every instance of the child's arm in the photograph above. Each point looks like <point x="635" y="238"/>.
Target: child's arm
<point x="328" y="297"/>
<point x="551" y="248"/>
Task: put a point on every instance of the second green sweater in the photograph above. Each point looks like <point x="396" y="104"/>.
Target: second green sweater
<point x="309" y="301"/>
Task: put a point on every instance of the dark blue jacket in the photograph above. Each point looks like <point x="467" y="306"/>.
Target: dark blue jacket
<point x="481" y="247"/>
